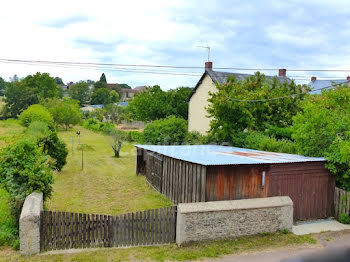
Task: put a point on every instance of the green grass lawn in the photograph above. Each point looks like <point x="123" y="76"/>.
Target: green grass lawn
<point x="106" y="185"/>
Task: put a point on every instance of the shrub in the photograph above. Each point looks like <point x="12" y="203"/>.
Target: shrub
<point x="37" y="129"/>
<point x="259" y="141"/>
<point x="35" y="113"/>
<point x="134" y="136"/>
<point x="195" y="138"/>
<point x="344" y="218"/>
<point x="94" y="125"/>
<point x="24" y="169"/>
<point x="55" y="148"/>
<point x="170" y="130"/>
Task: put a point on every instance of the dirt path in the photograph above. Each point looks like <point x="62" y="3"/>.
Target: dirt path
<point x="328" y="242"/>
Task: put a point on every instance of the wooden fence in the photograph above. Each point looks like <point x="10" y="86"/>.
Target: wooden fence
<point x="341" y="202"/>
<point x="63" y="230"/>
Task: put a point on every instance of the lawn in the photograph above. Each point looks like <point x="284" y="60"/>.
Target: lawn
<point x="106" y="185"/>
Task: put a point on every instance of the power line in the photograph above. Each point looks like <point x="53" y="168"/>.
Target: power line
<point x="282" y="97"/>
<point x="170" y="66"/>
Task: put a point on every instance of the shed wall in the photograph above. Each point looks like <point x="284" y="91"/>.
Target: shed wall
<point x="183" y="182"/>
<point x="236" y="182"/>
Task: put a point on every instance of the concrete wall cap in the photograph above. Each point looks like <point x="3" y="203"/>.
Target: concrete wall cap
<point x="32" y="206"/>
<point x="227" y="205"/>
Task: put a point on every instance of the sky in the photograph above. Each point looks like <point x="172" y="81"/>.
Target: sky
<point x="313" y="34"/>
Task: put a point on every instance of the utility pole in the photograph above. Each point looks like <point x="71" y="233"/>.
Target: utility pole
<point x="208" y="49"/>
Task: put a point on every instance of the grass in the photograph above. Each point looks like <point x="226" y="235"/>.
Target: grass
<point x="172" y="252"/>
<point x="8" y="227"/>
<point x="106" y="185"/>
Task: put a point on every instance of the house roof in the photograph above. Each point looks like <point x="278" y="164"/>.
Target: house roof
<point x="221" y="77"/>
<point x="211" y="155"/>
<point x="140" y="88"/>
<point x="317" y="85"/>
<point x="127" y="90"/>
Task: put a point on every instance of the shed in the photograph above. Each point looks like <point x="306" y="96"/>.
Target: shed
<point x="198" y="173"/>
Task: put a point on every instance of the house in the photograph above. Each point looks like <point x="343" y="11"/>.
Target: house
<point x="198" y="119"/>
<point x="318" y="85"/>
<point x="127" y="94"/>
<point x="200" y="173"/>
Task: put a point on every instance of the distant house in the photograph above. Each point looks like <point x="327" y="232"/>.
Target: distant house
<point x="127" y="94"/>
<point x="114" y="86"/>
<point x="318" y="85"/>
<point x="198" y="119"/>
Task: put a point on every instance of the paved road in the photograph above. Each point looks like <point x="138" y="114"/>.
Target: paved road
<point x="328" y="242"/>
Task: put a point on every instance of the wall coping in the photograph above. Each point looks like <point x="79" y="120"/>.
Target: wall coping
<point x="228" y="205"/>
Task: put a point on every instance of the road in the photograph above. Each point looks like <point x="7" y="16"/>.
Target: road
<point x="327" y="243"/>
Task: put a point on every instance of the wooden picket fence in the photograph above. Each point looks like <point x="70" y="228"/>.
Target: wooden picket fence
<point x="341" y="202"/>
<point x="63" y="230"/>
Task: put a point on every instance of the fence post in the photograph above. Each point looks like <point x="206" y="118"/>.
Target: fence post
<point x="29" y="224"/>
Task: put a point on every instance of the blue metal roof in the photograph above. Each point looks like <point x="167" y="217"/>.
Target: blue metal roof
<point x="123" y="103"/>
<point x="208" y="155"/>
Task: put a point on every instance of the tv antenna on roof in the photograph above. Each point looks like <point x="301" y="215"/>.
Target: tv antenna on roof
<point x="206" y="47"/>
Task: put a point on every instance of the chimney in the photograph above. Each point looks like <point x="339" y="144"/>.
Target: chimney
<point x="208" y="66"/>
<point x="313" y="78"/>
<point x="282" y="72"/>
<point x="348" y="78"/>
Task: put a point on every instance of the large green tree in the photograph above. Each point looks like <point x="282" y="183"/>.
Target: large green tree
<point x="154" y="103"/>
<point x="232" y="114"/>
<point x="64" y="112"/>
<point x="2" y="86"/>
<point x="80" y="91"/>
<point x="20" y="94"/>
<point x="322" y="129"/>
<point x="103" y="96"/>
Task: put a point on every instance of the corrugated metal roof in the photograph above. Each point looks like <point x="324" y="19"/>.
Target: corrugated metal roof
<point x="224" y="155"/>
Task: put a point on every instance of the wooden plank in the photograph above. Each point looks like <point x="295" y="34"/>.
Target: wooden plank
<point x="190" y="181"/>
<point x="144" y="240"/>
<point x="105" y="220"/>
<point x="171" y="180"/>
<point x="194" y="184"/>
<point x="172" y="228"/>
<point x="179" y="187"/>
<point x="135" y="228"/>
<point x="116" y="239"/>
<point x="129" y="229"/>
<point x="148" y="227"/>
<point x="203" y="183"/>
<point x="88" y="232"/>
<point x="199" y="182"/>
<point x="164" y="214"/>
<point x="59" y="232"/>
<point x="50" y="240"/>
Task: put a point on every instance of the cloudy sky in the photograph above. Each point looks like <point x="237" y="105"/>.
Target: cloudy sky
<point x="245" y="34"/>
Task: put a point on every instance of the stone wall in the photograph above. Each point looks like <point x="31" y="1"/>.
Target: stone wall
<point x="233" y="218"/>
<point x="29" y="224"/>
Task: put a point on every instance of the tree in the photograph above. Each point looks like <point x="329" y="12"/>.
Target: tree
<point x="18" y="97"/>
<point x="103" y="78"/>
<point x="80" y="91"/>
<point x="65" y="113"/>
<point x="118" y="139"/>
<point x="100" y="85"/>
<point x="113" y="112"/>
<point x="178" y="100"/>
<point x="151" y="104"/>
<point x="125" y="86"/>
<point x="2" y="86"/>
<point x="44" y="85"/>
<point x="154" y="103"/>
<point x="36" y="113"/>
<point x="114" y="97"/>
<point x="101" y="96"/>
<point x="232" y="115"/>
<point x="28" y="91"/>
<point x="322" y="129"/>
<point x="59" y="81"/>
<point x="170" y="130"/>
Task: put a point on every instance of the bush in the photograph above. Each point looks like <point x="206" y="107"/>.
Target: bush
<point x="94" y="125"/>
<point x="35" y="113"/>
<point x="195" y="138"/>
<point x="37" y="129"/>
<point x="344" y="218"/>
<point x="134" y="136"/>
<point x="24" y="169"/>
<point x="170" y="130"/>
<point x="55" y="148"/>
